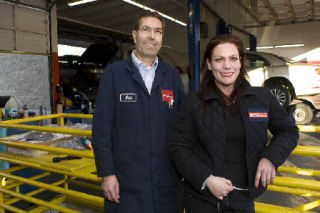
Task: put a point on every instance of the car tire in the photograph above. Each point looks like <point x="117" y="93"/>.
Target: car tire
<point x="301" y="113"/>
<point x="281" y="93"/>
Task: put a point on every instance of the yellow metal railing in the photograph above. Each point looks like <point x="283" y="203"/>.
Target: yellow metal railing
<point x="85" y="154"/>
<point x="80" y="172"/>
<point x="296" y="186"/>
<point x="16" y="124"/>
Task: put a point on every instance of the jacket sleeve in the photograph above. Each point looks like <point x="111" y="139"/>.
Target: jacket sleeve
<point x="103" y="121"/>
<point x="183" y="142"/>
<point x="285" y="133"/>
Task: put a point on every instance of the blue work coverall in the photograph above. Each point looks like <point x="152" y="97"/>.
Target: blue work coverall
<point x="130" y="137"/>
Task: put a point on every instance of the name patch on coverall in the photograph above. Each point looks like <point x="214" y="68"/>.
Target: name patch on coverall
<point x="128" y="97"/>
<point x="258" y="115"/>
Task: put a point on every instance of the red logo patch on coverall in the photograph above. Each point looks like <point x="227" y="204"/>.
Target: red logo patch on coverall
<point x="167" y="96"/>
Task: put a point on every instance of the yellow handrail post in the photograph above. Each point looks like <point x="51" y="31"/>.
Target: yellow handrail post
<point x="61" y="118"/>
<point x="18" y="188"/>
<point x="66" y="182"/>
<point x="1" y="196"/>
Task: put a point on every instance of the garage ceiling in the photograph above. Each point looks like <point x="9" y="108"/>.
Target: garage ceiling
<point x="275" y="12"/>
<point x="117" y="14"/>
<point x="113" y="16"/>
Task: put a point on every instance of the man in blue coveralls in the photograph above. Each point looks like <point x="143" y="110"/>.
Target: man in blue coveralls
<point x="137" y="102"/>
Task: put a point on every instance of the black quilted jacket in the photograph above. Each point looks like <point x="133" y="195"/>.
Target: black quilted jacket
<point x="198" y="140"/>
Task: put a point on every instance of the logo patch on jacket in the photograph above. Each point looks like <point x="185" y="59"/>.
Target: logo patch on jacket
<point x="167" y="96"/>
<point x="128" y="97"/>
<point x="258" y="115"/>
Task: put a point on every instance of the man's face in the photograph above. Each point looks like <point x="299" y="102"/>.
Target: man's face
<point x="148" y="38"/>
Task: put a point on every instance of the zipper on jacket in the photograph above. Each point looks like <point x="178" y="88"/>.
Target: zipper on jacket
<point x="218" y="206"/>
<point x="243" y="117"/>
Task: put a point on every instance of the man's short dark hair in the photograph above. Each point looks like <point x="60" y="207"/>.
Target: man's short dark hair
<point x="147" y="13"/>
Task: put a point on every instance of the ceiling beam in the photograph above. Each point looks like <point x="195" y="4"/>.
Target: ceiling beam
<point x="290" y="10"/>
<point x="68" y="23"/>
<point x="248" y="10"/>
<point x="298" y="22"/>
<point x="268" y="5"/>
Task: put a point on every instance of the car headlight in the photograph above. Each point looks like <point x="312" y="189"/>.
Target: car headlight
<point x="96" y="70"/>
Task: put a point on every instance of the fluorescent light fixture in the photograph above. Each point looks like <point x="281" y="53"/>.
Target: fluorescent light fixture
<point x="264" y="47"/>
<point x="289" y="45"/>
<point x="279" y="46"/>
<point x="74" y="3"/>
<point x="161" y="14"/>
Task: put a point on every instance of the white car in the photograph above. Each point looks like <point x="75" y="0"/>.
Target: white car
<point x="291" y="82"/>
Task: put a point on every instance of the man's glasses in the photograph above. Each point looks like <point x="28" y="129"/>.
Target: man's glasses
<point x="147" y="30"/>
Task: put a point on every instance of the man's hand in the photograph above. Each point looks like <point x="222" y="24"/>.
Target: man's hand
<point x="218" y="186"/>
<point x="265" y="172"/>
<point x="110" y="188"/>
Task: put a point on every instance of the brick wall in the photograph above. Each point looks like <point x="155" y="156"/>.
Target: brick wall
<point x="26" y="77"/>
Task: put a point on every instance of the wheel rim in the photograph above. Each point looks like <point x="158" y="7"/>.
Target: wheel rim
<point x="280" y="95"/>
<point x="300" y="115"/>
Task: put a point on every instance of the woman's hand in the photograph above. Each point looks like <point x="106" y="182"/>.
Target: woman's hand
<point x="265" y="172"/>
<point x="218" y="186"/>
<point x="110" y="188"/>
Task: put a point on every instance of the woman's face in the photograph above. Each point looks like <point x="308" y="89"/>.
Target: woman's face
<point x="225" y="65"/>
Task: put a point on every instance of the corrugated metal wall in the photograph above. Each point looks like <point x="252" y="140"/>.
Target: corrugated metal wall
<point x="24" y="29"/>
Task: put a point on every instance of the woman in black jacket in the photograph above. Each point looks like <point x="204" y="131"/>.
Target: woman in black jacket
<point x="219" y="142"/>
